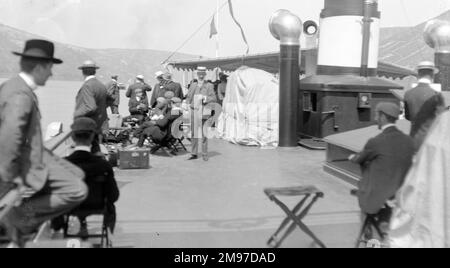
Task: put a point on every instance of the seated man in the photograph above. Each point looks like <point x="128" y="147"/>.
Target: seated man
<point x="160" y="110"/>
<point x="94" y="167"/>
<point x="138" y="106"/>
<point x="385" y="161"/>
<point x="160" y="129"/>
<point x="155" y="114"/>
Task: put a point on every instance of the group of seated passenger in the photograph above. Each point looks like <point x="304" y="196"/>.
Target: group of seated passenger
<point x="157" y="126"/>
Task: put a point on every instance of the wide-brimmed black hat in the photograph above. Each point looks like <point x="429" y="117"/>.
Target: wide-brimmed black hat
<point x="39" y="49"/>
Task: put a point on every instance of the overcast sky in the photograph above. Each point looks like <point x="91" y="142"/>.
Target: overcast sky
<point x="166" y="24"/>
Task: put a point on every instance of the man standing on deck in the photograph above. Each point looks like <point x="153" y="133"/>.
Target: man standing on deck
<point x="166" y="85"/>
<point x="159" y="77"/>
<point x="385" y="162"/>
<point x="55" y="185"/>
<point x="92" y="101"/>
<point x="423" y="104"/>
<point x="200" y="94"/>
<point x="140" y="84"/>
<point x="114" y="94"/>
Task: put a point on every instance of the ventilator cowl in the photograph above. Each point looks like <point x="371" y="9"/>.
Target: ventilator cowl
<point x="286" y="27"/>
<point x="437" y="35"/>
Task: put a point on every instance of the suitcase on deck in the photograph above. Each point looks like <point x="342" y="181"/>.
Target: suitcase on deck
<point x="134" y="159"/>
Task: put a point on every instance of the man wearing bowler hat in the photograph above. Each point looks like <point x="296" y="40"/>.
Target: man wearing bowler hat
<point x="200" y="94"/>
<point x="56" y="186"/>
<point x="92" y="101"/>
<point x="385" y="161"/>
<point x="423" y="103"/>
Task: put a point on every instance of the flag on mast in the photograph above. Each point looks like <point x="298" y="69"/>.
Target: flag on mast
<point x="213" y="30"/>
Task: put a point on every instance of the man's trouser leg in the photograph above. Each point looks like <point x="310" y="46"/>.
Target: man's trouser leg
<point x="64" y="190"/>
<point x="197" y="139"/>
<point x="205" y="146"/>
<point x="196" y="130"/>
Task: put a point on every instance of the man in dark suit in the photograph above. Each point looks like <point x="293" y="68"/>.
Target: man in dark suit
<point x="138" y="106"/>
<point x="385" y="161"/>
<point x="166" y="85"/>
<point x="160" y="129"/>
<point x="106" y="191"/>
<point x="56" y="185"/>
<point x="139" y="84"/>
<point x="423" y="104"/>
<point x="159" y="77"/>
<point x="114" y="94"/>
<point x="92" y="101"/>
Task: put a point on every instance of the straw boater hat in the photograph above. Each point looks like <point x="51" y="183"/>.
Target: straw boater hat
<point x="40" y="50"/>
<point x="202" y="70"/>
<point x="427" y="65"/>
<point x="140" y="77"/>
<point x="159" y="74"/>
<point x="89" y="64"/>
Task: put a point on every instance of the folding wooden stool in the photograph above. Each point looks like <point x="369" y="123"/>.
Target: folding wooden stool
<point x="294" y="217"/>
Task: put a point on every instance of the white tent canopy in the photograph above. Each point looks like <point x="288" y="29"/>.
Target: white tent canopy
<point x="422" y="216"/>
<point x="251" y="109"/>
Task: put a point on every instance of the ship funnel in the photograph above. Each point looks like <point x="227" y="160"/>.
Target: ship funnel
<point x="349" y="37"/>
<point x="286" y="27"/>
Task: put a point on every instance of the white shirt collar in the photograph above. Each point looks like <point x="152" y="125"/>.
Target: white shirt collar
<point x="29" y="80"/>
<point x="83" y="149"/>
<point x="387" y="126"/>
<point x="424" y="81"/>
<point x="89" y="78"/>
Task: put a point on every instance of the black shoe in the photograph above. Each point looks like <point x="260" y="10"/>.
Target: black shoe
<point x="193" y="157"/>
<point x="3" y="232"/>
<point x="83" y="233"/>
<point x="155" y="149"/>
<point x="58" y="224"/>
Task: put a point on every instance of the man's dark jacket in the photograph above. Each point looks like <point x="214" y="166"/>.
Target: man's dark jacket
<point x="162" y="88"/>
<point x="133" y="106"/>
<point x="91" y="102"/>
<point x="422" y="104"/>
<point x="385" y="161"/>
<point x="114" y="93"/>
<point x="95" y="167"/>
<point x="131" y="92"/>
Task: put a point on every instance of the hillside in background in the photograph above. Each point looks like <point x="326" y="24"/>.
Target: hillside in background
<point x="126" y="63"/>
<point x="405" y="46"/>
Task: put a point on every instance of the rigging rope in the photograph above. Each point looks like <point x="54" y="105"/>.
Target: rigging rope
<point x="195" y="33"/>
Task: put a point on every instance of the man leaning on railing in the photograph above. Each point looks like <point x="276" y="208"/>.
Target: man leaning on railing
<point x="56" y="185"/>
